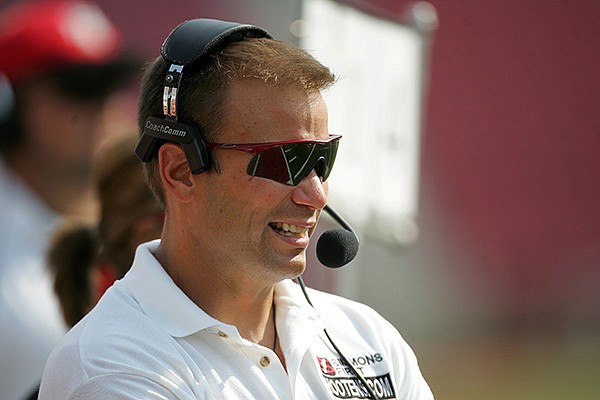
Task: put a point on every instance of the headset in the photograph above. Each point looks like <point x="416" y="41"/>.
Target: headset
<point x="189" y="43"/>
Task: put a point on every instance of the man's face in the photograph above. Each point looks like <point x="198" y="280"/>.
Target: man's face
<point x="260" y="228"/>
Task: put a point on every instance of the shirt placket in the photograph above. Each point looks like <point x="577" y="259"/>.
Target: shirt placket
<point x="263" y="358"/>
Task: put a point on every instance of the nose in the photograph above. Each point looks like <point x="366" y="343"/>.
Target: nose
<point x="311" y="192"/>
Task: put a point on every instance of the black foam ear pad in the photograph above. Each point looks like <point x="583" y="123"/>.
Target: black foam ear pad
<point x="195" y="152"/>
<point x="158" y="130"/>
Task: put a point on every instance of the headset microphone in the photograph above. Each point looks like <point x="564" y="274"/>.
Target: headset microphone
<point x="337" y="247"/>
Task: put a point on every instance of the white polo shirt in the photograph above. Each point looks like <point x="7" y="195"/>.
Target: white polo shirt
<point x="147" y="340"/>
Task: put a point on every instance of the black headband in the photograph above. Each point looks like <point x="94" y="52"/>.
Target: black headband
<point x="197" y="38"/>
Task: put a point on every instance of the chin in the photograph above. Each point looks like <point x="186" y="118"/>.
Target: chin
<point x="295" y="267"/>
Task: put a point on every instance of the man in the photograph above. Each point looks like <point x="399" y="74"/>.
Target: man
<point x="209" y="311"/>
<point x="61" y="60"/>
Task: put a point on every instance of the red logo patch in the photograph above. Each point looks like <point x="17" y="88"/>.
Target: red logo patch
<point x="326" y="366"/>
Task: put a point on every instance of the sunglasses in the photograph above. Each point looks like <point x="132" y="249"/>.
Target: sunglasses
<point x="288" y="161"/>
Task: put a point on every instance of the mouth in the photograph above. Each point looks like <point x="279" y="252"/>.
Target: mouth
<point x="289" y="230"/>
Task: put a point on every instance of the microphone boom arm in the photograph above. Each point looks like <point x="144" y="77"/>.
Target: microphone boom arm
<point x="340" y="220"/>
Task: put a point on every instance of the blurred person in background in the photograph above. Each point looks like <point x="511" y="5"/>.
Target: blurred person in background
<point x="60" y="63"/>
<point x="86" y="258"/>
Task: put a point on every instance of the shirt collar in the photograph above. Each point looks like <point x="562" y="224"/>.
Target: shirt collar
<point x="289" y="296"/>
<point x="160" y="298"/>
<point x="165" y="303"/>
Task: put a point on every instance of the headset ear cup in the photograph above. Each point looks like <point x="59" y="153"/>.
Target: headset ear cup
<point x="159" y="130"/>
<point x="195" y="151"/>
<point x="147" y="147"/>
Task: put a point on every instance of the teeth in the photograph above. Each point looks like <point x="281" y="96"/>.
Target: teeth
<point x="290" y="230"/>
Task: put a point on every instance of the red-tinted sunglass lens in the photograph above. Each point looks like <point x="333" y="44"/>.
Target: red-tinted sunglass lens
<point x="270" y="164"/>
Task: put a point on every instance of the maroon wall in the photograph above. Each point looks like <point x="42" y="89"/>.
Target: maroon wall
<point x="511" y="151"/>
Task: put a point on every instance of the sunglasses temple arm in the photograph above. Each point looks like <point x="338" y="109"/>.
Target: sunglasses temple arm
<point x="340" y="220"/>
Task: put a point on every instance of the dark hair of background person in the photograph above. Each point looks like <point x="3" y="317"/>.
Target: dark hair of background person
<point x="87" y="259"/>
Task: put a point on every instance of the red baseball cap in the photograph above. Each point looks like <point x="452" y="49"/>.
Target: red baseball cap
<point x="40" y="37"/>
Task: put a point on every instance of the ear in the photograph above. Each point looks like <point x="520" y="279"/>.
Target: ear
<point x="175" y="172"/>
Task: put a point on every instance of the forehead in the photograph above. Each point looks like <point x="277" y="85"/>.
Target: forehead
<point x="261" y="112"/>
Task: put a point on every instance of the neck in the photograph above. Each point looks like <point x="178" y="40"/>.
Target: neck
<point x="253" y="317"/>
<point x="230" y="299"/>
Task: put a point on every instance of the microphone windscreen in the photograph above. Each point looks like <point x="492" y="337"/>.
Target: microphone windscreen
<point x="336" y="247"/>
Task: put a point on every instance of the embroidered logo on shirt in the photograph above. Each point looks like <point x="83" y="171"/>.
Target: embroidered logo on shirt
<point x="344" y="385"/>
<point x="326" y="367"/>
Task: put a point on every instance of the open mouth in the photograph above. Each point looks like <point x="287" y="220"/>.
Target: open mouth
<point x="289" y="230"/>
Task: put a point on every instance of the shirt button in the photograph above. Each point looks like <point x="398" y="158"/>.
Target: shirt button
<point x="222" y="334"/>
<point x="265" y="361"/>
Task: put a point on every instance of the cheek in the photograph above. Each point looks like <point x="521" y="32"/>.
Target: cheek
<point x="242" y="203"/>
<point x="234" y="195"/>
<point x="225" y="197"/>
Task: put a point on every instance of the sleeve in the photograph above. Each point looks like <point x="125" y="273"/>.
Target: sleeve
<point x="125" y="371"/>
